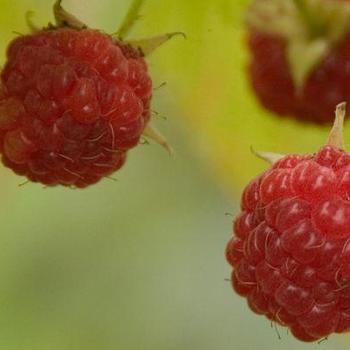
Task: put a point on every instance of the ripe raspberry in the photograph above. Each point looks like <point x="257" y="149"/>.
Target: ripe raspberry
<point x="300" y="56"/>
<point x="291" y="250"/>
<point x="73" y="101"/>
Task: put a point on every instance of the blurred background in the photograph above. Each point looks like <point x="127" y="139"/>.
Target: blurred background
<point x="139" y="263"/>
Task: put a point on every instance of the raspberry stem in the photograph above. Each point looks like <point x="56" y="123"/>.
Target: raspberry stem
<point x="336" y="136"/>
<point x="132" y="16"/>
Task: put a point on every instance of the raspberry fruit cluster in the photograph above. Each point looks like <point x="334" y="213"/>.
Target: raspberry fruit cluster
<point x="300" y="54"/>
<point x="73" y="102"/>
<point x="291" y="249"/>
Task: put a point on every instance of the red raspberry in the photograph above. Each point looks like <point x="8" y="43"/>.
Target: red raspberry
<point x="73" y="101"/>
<point x="291" y="250"/>
<point x="300" y="72"/>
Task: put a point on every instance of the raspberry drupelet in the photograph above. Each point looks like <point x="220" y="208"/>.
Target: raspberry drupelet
<point x="74" y="101"/>
<point x="291" y="249"/>
<point x="300" y="56"/>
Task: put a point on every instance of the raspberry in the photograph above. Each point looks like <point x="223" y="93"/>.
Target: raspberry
<point x="291" y="249"/>
<point x="73" y="102"/>
<point x="300" y="56"/>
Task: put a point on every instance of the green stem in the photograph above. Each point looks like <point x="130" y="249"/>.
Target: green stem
<point x="130" y="19"/>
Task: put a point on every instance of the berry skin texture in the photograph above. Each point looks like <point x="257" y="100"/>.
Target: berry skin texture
<point x="290" y="253"/>
<point x="72" y="103"/>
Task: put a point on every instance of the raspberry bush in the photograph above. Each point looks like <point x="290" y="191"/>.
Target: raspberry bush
<point x="291" y="249"/>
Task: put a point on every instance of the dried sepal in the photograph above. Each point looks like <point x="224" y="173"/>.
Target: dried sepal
<point x="157" y="137"/>
<point x="65" y="19"/>
<point x="336" y="136"/>
<point x="268" y="157"/>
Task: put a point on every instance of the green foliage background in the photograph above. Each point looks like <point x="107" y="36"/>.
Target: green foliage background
<point x="138" y="263"/>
